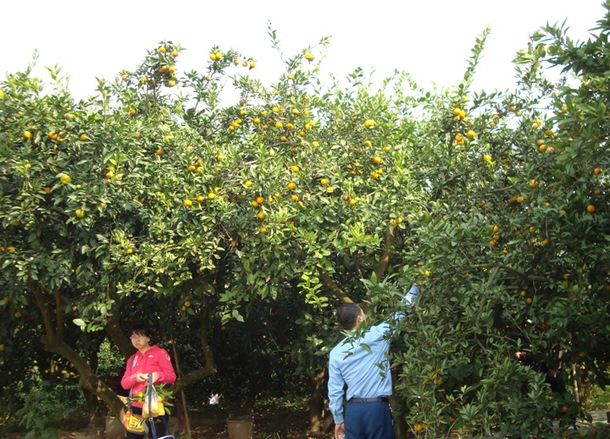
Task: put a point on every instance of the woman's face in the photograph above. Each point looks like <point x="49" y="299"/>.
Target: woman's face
<point x="139" y="341"/>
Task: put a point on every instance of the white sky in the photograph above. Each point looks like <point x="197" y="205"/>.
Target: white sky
<point x="429" y="38"/>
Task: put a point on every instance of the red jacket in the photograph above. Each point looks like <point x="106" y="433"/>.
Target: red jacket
<point x="155" y="359"/>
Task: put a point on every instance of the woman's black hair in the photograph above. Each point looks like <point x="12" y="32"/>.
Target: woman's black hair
<point x="141" y="328"/>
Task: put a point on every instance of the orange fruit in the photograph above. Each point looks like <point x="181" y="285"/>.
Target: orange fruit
<point x="369" y="123"/>
<point x="65" y="179"/>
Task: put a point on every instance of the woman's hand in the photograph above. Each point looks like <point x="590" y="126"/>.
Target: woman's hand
<point x="143" y="377"/>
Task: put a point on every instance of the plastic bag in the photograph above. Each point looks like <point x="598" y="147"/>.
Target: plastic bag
<point x="153" y="403"/>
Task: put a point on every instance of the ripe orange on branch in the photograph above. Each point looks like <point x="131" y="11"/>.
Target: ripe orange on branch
<point x="369" y="123"/>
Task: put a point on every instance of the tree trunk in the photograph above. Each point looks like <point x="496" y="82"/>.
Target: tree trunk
<point x="115" y="332"/>
<point x="53" y="342"/>
<point x="316" y="403"/>
<point x="208" y="355"/>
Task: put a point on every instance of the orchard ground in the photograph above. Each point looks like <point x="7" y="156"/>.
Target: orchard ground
<point x="278" y="419"/>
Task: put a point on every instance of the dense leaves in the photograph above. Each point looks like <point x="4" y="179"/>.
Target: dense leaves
<point x="234" y="228"/>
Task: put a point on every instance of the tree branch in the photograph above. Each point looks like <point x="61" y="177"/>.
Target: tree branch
<point x="208" y="355"/>
<point x="384" y="262"/>
<point x="59" y="315"/>
<point x="331" y="285"/>
<point x="54" y="343"/>
<point x="116" y="334"/>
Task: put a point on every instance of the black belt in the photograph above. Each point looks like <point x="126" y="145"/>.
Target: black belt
<point x="376" y="399"/>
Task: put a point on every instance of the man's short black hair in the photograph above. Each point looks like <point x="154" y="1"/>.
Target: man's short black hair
<point x="141" y="328"/>
<point x="348" y="313"/>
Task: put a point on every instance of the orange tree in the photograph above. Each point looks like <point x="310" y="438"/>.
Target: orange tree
<point x="318" y="182"/>
<point x="514" y="235"/>
<point x="152" y="193"/>
<point x="154" y="199"/>
<point x="95" y="213"/>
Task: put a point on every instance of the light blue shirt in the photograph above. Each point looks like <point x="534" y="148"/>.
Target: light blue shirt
<point x="362" y="362"/>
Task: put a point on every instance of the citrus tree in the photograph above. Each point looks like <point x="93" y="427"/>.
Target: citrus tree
<point x="242" y="223"/>
<point x="514" y="236"/>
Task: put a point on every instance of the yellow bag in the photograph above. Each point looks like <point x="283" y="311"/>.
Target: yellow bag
<point x="133" y="423"/>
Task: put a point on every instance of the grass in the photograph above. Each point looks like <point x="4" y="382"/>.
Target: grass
<point x="599" y="399"/>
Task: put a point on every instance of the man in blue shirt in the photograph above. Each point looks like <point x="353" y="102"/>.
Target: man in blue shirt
<point x="361" y="361"/>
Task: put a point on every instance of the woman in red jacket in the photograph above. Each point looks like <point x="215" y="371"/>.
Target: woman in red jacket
<point x="146" y="360"/>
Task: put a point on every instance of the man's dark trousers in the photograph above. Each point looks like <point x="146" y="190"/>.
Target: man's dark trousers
<point x="368" y="420"/>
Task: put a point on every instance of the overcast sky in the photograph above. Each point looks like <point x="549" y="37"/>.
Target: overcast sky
<point x="429" y="38"/>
